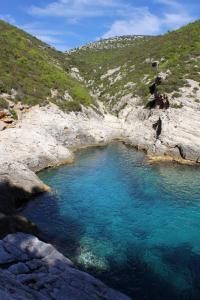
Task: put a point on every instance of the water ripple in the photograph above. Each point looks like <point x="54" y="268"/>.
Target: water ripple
<point x="134" y="225"/>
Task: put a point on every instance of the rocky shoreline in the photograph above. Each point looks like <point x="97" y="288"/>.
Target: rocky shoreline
<point x="47" y="137"/>
<point x="30" y="268"/>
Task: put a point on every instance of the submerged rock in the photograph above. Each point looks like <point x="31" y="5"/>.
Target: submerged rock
<point x="33" y="269"/>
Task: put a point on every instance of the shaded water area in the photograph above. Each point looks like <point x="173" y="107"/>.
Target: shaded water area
<point x="133" y="225"/>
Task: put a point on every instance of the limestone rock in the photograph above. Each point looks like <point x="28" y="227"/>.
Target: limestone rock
<point x="179" y="133"/>
<point x="17" y="182"/>
<point x="45" y="134"/>
<point x="36" y="270"/>
<point x="2" y="125"/>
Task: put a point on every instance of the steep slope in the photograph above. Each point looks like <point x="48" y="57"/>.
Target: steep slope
<point x="121" y="66"/>
<point x="33" y="72"/>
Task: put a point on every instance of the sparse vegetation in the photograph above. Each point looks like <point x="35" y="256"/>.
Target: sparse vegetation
<point x="14" y="114"/>
<point x="33" y="68"/>
<point x="177" y="52"/>
<point x="177" y="105"/>
<point x="3" y="104"/>
<point x="176" y="95"/>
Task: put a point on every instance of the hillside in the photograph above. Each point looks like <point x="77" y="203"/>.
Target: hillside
<point x="112" y="70"/>
<point x="32" y="72"/>
<point x="120" y="66"/>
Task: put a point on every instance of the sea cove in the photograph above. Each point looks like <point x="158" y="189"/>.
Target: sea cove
<point x="129" y="223"/>
<point x="99" y="150"/>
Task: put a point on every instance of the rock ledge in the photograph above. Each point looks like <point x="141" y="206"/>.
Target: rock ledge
<point x="31" y="269"/>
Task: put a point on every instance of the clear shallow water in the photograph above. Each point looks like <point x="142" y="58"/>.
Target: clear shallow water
<point x="133" y="225"/>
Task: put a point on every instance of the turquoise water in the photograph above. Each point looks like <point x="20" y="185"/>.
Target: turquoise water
<point x="133" y="225"/>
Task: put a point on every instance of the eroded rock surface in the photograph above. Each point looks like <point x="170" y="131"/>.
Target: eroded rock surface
<point x="178" y="135"/>
<point x="31" y="269"/>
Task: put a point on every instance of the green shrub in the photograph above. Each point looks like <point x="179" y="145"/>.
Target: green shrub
<point x="14" y="114"/>
<point x="176" y="95"/>
<point x="3" y="104"/>
<point x="176" y="105"/>
<point x="179" y="51"/>
<point x="32" y="68"/>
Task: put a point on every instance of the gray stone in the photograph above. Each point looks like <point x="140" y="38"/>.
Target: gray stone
<point x="2" y="125"/>
<point x="19" y="268"/>
<point x="45" y="135"/>
<point x="42" y="277"/>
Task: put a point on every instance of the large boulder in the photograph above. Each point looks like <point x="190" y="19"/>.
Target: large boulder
<point x="17" y="183"/>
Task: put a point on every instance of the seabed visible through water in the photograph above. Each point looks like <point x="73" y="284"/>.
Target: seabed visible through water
<point x="131" y="224"/>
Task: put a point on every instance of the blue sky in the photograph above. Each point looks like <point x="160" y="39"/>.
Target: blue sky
<point x="66" y="24"/>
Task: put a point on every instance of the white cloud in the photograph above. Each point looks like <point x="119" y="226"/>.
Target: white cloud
<point x="178" y="13"/>
<point x="35" y="29"/>
<point x="51" y="37"/>
<point x="142" y="22"/>
<point x="129" y="20"/>
<point x="76" y="8"/>
<point x="174" y="21"/>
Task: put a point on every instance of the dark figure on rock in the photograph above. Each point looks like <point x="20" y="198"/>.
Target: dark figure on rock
<point x="160" y="100"/>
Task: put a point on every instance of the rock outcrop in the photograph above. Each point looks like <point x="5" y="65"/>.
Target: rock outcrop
<point x="47" y="137"/>
<point x="31" y="269"/>
<point x="179" y="132"/>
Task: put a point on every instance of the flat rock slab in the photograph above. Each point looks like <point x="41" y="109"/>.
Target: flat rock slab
<point x="32" y="269"/>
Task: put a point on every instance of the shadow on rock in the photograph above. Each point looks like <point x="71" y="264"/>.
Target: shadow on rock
<point x="62" y="230"/>
<point x="11" y="198"/>
<point x="35" y="270"/>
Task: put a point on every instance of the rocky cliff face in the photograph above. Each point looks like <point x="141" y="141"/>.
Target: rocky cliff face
<point x="173" y="134"/>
